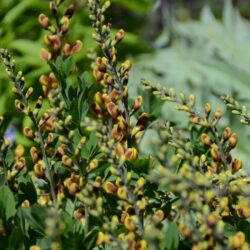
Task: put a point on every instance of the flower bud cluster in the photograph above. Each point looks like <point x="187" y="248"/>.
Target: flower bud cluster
<point x="208" y="182"/>
<point x="54" y="42"/>
<point x="88" y="173"/>
<point x="4" y="143"/>
<point x="126" y="126"/>
<point x="237" y="109"/>
<point x="111" y="104"/>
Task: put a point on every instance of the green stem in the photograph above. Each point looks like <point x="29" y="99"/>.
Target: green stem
<point x="4" y="168"/>
<point x="19" y="89"/>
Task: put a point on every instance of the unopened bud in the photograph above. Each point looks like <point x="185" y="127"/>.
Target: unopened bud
<point x="206" y="139"/>
<point x="233" y="141"/>
<point x="138" y="103"/>
<point x="28" y="132"/>
<point x="119" y="35"/>
<point x="236" y="165"/>
<point x="44" y="21"/>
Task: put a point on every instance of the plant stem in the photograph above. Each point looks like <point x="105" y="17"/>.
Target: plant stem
<point x="4" y="168"/>
<point x="11" y="68"/>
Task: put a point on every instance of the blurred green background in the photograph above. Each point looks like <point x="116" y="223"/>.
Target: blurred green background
<point x="199" y="47"/>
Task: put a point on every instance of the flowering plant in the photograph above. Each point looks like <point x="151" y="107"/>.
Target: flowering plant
<point x="84" y="184"/>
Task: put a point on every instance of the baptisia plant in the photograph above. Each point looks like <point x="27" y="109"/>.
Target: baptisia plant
<point x="82" y="182"/>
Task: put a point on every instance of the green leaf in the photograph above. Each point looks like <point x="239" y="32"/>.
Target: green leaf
<point x="44" y="243"/>
<point x="68" y="65"/>
<point x="86" y="80"/>
<point x="92" y="142"/>
<point x="84" y="110"/>
<point x="229" y="230"/>
<point x="68" y="222"/>
<point x="14" y="239"/>
<point x="17" y="11"/>
<point x="29" y="49"/>
<point x="140" y="165"/>
<point x="244" y="226"/>
<point x="9" y="157"/>
<point x="91" y="238"/>
<point x="136" y="5"/>
<point x="69" y="207"/>
<point x="57" y="69"/>
<point x="171" y="237"/>
<point x="26" y="190"/>
<point x="1" y="178"/>
<point x="35" y="216"/>
<point x="7" y="203"/>
<point x="24" y="226"/>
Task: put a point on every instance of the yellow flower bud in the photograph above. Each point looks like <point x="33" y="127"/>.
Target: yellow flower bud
<point x="236" y="165"/>
<point x="39" y="169"/>
<point x="140" y="183"/>
<point x="131" y="154"/>
<point x="34" y="247"/>
<point x="44" y="21"/>
<point x="100" y="238"/>
<point x="110" y="188"/>
<point x="226" y="133"/>
<point x="233" y="140"/>
<point x="208" y="108"/>
<point x="158" y="216"/>
<point x="112" y="109"/>
<point x="215" y="153"/>
<point x="142" y="245"/>
<point x="126" y="66"/>
<point x="67" y="161"/>
<point x="93" y="165"/>
<point x="218" y="114"/>
<point x="45" y="55"/>
<point x="137" y="104"/>
<point x="237" y="240"/>
<point x="19" y="151"/>
<point x="206" y="139"/>
<point x="130" y="223"/>
<point x="119" y="35"/>
<point x="122" y="193"/>
<point x="25" y="203"/>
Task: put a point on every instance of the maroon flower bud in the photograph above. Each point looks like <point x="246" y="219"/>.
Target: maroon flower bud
<point x="112" y="109"/>
<point x="70" y="11"/>
<point x="65" y="24"/>
<point x="45" y="55"/>
<point x="119" y="35"/>
<point x="28" y="132"/>
<point x="44" y="21"/>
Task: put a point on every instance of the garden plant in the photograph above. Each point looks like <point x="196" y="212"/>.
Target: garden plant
<point x="82" y="179"/>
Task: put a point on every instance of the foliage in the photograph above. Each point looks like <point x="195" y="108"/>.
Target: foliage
<point x="206" y="52"/>
<point x="21" y="33"/>
<point x="206" y="57"/>
<point x="83" y="182"/>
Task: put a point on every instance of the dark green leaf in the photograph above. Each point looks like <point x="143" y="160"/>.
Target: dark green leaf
<point x="84" y="110"/>
<point x="68" y="65"/>
<point x="7" y="203"/>
<point x="26" y="190"/>
<point x="140" y="165"/>
<point x="44" y="243"/>
<point x="171" y="237"/>
<point x="244" y="226"/>
<point x="68" y="222"/>
<point x="35" y="216"/>
<point x="229" y="230"/>
<point x="14" y="239"/>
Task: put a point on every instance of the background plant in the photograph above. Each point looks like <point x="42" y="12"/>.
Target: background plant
<point x="85" y="179"/>
<point x="206" y="57"/>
